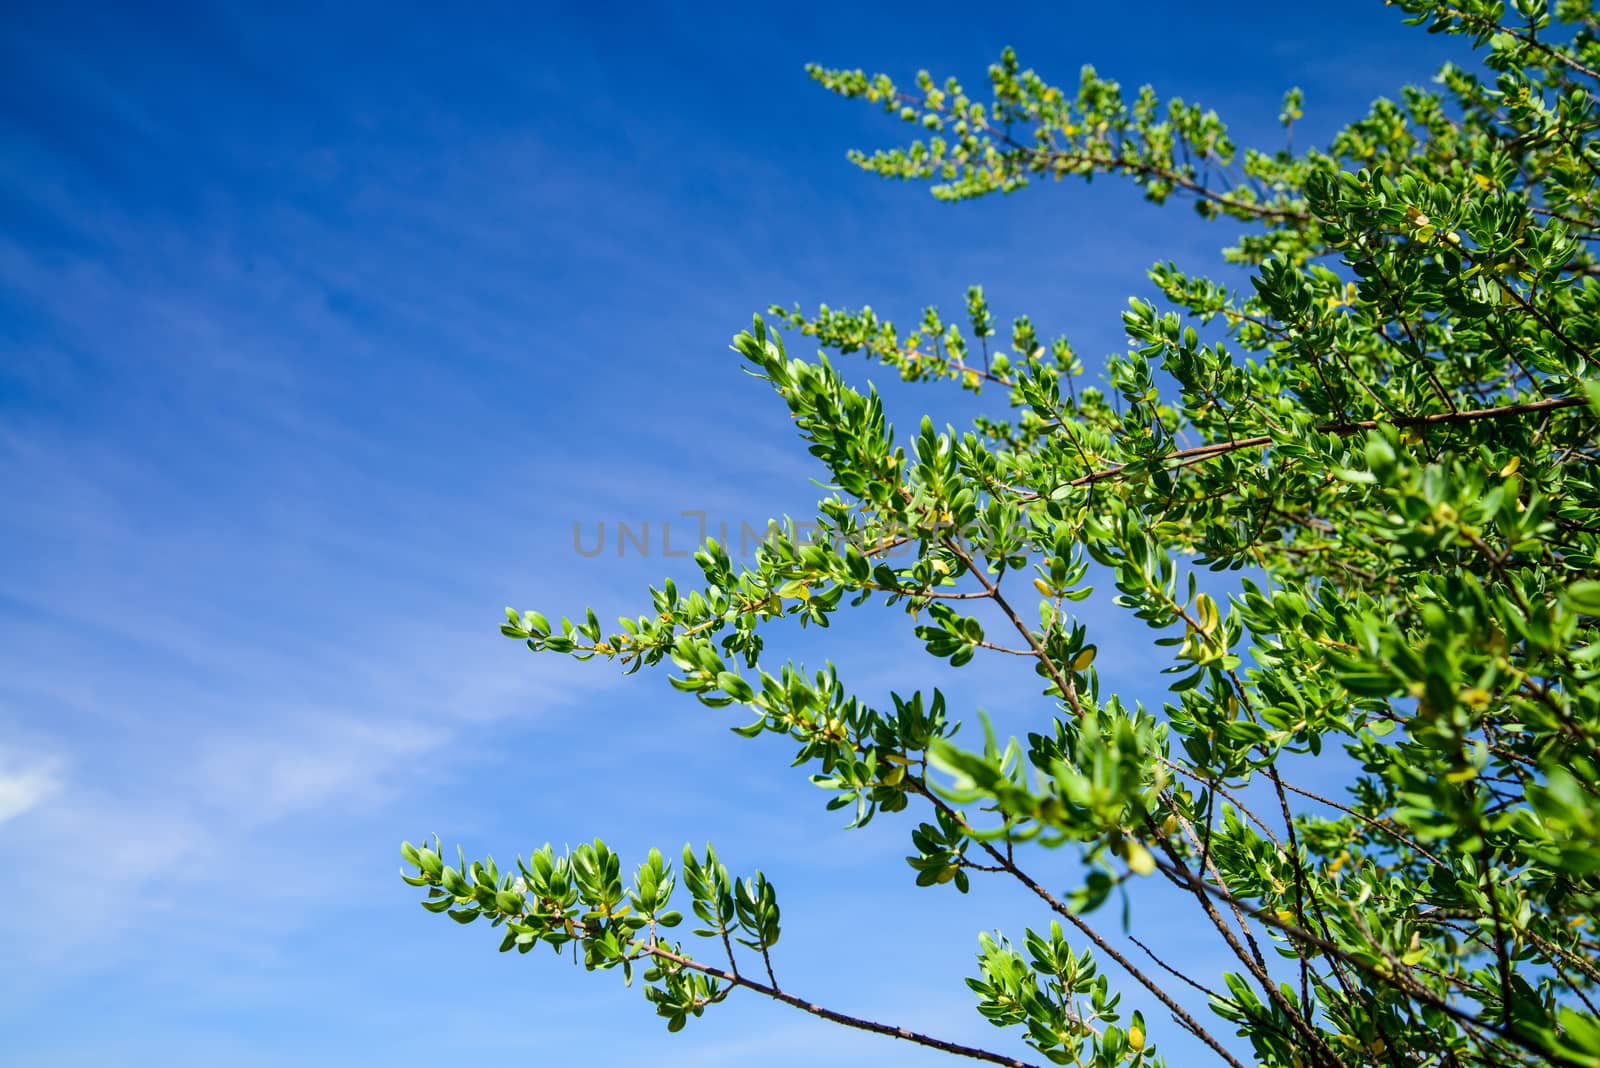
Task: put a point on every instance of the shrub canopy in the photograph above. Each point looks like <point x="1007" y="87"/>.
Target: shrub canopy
<point x="1390" y="435"/>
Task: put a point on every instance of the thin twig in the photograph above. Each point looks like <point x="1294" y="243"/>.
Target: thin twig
<point x="814" y="1009"/>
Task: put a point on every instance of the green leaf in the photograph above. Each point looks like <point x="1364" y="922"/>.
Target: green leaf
<point x="1585" y="596"/>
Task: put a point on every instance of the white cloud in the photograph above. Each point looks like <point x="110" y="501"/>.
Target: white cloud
<point x="24" y="788"/>
<point x="305" y="763"/>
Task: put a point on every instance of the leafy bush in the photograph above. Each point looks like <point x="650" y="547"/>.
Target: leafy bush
<point x="1390" y="435"/>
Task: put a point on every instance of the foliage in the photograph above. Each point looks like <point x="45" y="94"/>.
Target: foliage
<point x="1390" y="437"/>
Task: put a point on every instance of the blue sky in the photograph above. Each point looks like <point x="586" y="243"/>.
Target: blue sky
<point x="320" y="331"/>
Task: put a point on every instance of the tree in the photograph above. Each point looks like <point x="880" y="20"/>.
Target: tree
<point x="1389" y="439"/>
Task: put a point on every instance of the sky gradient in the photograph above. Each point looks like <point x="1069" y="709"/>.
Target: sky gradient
<point x="320" y="332"/>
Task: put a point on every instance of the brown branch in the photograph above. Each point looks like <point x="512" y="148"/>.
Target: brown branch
<point x="1177" y="178"/>
<point x="1502" y="955"/>
<point x="1068" y="689"/>
<point x="1544" y="320"/>
<point x="1109" y="164"/>
<point x="1219" y="448"/>
<point x="1215" y="786"/>
<point x="1006" y="864"/>
<point x="893" y="353"/>
<point x="1369" y="821"/>
<point x="831" y="1015"/>
<point x="1170" y="970"/>
<point x="1559" y="953"/>
<point x="1251" y="958"/>
<point x="1391" y="971"/>
<point x="1527" y="39"/>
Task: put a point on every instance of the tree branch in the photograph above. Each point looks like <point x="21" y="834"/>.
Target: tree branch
<point x="1219" y="448"/>
<point x="831" y="1015"/>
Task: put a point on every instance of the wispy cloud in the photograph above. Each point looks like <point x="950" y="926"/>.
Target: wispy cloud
<point x="24" y="783"/>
